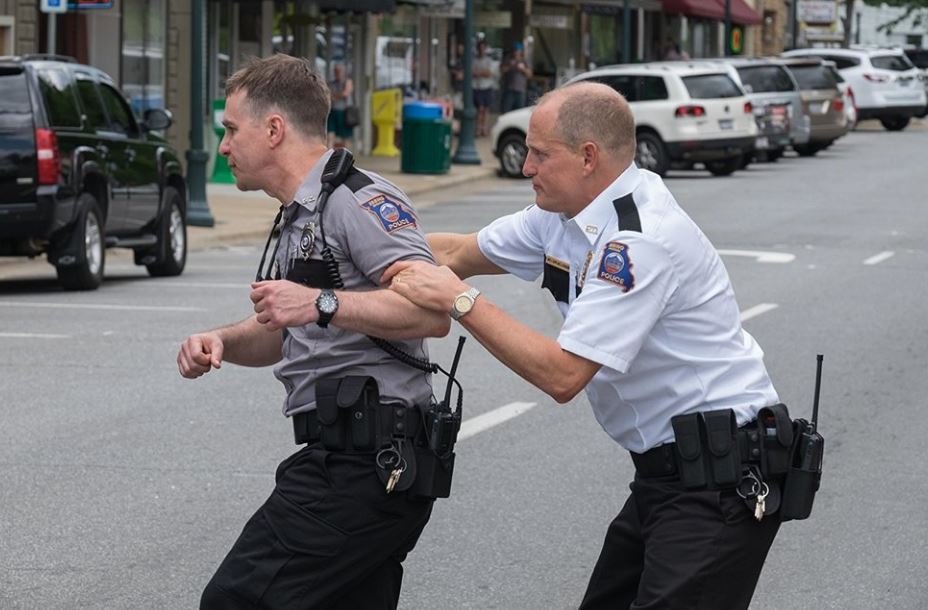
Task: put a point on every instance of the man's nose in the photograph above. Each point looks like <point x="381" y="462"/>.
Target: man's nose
<point x="224" y="148"/>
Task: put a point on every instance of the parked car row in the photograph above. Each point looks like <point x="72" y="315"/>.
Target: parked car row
<point x="79" y="173"/>
<point x="724" y="113"/>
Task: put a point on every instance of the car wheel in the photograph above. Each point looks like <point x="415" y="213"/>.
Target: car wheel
<point x="895" y="123"/>
<point x="87" y="273"/>
<point x="724" y="167"/>
<point x="512" y="152"/>
<point x="774" y="155"/>
<point x="806" y="150"/>
<point x="172" y="237"/>
<point x="651" y="153"/>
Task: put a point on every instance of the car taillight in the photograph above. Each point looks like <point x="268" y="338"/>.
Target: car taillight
<point x="876" y="78"/>
<point x="46" y="152"/>
<point x="748" y="108"/>
<point x="837" y="104"/>
<point x="690" y="111"/>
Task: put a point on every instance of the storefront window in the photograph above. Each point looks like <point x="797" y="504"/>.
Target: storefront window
<point x="143" y="33"/>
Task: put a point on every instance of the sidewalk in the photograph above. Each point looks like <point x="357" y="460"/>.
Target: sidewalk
<point x="243" y="216"/>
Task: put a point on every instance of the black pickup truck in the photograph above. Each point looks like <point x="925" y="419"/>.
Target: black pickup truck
<point x="80" y="173"/>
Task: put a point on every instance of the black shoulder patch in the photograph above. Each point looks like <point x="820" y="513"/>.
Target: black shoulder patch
<point x="627" y="212"/>
<point x="357" y="180"/>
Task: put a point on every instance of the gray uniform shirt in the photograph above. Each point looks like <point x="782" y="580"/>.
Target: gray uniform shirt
<point x="368" y="225"/>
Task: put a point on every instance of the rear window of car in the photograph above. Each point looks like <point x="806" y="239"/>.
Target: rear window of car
<point x="814" y="77"/>
<point x="709" y="86"/>
<point x="764" y="79"/>
<point x="93" y="107"/>
<point x="58" y="93"/>
<point x="896" y="63"/>
<point x="919" y="57"/>
<point x="15" y="109"/>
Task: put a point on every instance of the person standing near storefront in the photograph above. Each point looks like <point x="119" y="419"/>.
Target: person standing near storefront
<point x="483" y="87"/>
<point x="515" y="80"/>
<point x="340" y="129"/>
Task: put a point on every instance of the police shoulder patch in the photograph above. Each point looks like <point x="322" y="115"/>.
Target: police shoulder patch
<point x="616" y="266"/>
<point x="392" y="215"/>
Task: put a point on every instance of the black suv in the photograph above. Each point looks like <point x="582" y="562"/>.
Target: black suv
<point x="79" y="173"/>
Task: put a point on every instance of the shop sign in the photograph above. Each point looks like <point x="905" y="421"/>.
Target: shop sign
<point x="817" y="11"/>
<point x="493" y="19"/>
<point x="551" y="22"/>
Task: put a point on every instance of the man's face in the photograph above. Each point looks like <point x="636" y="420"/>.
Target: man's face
<point x="555" y="169"/>
<point x="243" y="143"/>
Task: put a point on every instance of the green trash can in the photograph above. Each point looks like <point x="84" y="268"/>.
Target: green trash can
<point x="426" y="147"/>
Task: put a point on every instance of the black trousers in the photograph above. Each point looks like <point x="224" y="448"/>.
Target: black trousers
<point x="673" y="549"/>
<point x="328" y="537"/>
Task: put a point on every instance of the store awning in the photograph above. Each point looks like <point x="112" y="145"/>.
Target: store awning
<point x="706" y="9"/>
<point x="357" y="6"/>
<point x="741" y="12"/>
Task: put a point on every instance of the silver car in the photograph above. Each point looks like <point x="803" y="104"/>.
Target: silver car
<point x="777" y="102"/>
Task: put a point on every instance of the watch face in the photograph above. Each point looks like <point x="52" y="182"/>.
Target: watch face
<point x="463" y="303"/>
<point x="328" y="303"/>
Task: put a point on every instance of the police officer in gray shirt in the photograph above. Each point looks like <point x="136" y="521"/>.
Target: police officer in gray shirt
<point x="331" y="534"/>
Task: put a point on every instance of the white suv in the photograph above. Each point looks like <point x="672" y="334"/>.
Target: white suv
<point x="685" y="113"/>
<point x="886" y="85"/>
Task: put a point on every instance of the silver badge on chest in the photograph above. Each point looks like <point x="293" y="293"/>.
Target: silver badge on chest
<point x="307" y="239"/>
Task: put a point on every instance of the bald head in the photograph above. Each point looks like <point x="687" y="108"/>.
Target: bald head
<point x="593" y="112"/>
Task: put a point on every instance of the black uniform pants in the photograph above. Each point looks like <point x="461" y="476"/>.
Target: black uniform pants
<point x="328" y="537"/>
<point x="672" y="549"/>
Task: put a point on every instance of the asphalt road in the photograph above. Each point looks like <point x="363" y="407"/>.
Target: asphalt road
<point x="123" y="485"/>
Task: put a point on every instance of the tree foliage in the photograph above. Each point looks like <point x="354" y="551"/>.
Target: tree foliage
<point x="916" y="9"/>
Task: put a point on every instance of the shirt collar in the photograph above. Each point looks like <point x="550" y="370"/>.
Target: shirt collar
<point x="308" y="190"/>
<point x="594" y="218"/>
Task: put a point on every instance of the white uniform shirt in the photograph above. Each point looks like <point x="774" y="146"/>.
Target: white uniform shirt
<point x="655" y="308"/>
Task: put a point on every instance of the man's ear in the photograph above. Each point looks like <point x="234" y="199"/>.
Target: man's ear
<point x="275" y="128"/>
<point x="590" y="152"/>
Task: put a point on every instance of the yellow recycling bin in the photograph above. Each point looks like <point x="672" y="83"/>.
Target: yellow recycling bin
<point x="386" y="109"/>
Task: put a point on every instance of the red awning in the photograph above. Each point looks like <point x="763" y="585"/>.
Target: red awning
<point x="741" y="12"/>
<point x="707" y="9"/>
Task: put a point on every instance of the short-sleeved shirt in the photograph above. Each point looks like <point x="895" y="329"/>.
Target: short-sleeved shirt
<point x="643" y="293"/>
<point x="481" y="64"/>
<point x="369" y="224"/>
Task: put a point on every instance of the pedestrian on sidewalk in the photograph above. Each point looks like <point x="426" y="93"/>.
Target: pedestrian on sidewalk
<point x="515" y="80"/>
<point x="330" y="535"/>
<point x="483" y="87"/>
<point x="651" y="331"/>
<point x="340" y="126"/>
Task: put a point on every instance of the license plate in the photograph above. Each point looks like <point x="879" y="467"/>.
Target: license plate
<point x="761" y="143"/>
<point x="817" y="108"/>
<point x="726" y="123"/>
<point x="904" y="83"/>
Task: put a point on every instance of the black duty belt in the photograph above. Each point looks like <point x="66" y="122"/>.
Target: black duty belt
<point x="664" y="460"/>
<point x="393" y="421"/>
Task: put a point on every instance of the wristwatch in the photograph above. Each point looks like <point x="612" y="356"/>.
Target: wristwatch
<point x="327" y="304"/>
<point x="463" y="303"/>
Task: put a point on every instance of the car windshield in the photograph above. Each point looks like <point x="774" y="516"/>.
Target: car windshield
<point x="766" y="79"/>
<point x="896" y="63"/>
<point x="708" y="86"/>
<point x="814" y="77"/>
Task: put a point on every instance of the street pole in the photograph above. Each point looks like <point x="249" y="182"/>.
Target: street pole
<point x="198" y="214"/>
<point x="626" y="33"/>
<point x="52" y="33"/>
<point x="794" y="21"/>
<point x="467" y="151"/>
<point x="727" y="28"/>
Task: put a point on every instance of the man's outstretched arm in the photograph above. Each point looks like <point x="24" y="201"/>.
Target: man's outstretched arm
<point x="536" y="358"/>
<point x="461" y="253"/>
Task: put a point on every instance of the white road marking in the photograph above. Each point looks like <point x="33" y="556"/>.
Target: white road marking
<point x="173" y="284"/>
<point x="33" y="336"/>
<point x="753" y="312"/>
<point x="879" y="258"/>
<point x="762" y="257"/>
<point x="97" y="306"/>
<point x="478" y="424"/>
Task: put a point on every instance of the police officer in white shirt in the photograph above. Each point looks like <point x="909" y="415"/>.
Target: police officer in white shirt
<point x="331" y="535"/>
<point x="652" y="333"/>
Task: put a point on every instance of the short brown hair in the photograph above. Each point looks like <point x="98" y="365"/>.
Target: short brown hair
<point x="593" y="112"/>
<point x="289" y="84"/>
